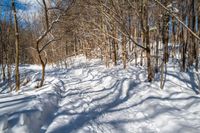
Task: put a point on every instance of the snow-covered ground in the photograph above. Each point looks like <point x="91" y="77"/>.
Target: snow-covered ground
<point x="89" y="98"/>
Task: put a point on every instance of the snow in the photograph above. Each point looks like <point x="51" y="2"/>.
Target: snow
<point x="86" y="97"/>
<point x="173" y="8"/>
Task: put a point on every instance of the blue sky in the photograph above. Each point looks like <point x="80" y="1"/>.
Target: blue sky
<point x="24" y="8"/>
<point x="7" y="5"/>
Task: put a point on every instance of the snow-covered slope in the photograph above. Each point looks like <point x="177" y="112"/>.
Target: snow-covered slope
<point x="89" y="98"/>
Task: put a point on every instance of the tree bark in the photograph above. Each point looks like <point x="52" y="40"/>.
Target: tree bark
<point x="114" y="47"/>
<point x="165" y="35"/>
<point x="124" y="54"/>
<point x="43" y="63"/>
<point x="147" y="39"/>
<point x="17" y="76"/>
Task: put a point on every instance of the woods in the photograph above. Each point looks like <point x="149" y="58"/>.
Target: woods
<point x="150" y="32"/>
<point x="99" y="66"/>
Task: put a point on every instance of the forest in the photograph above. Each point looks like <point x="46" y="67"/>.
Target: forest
<point x="78" y="65"/>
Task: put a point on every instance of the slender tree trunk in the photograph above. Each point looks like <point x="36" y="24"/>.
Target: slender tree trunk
<point x="192" y="51"/>
<point x="3" y="71"/>
<point x="197" y="45"/>
<point x="2" y="63"/>
<point x="183" y="51"/>
<point x="106" y="52"/>
<point x="147" y="40"/>
<point x="138" y="33"/>
<point x="165" y="38"/>
<point x="114" y="47"/>
<point x="43" y="63"/>
<point x="17" y="76"/>
<point x="174" y="38"/>
<point x="124" y="51"/>
<point x="193" y="29"/>
<point x="143" y="32"/>
<point x="75" y="45"/>
<point x="43" y="75"/>
<point x="8" y="57"/>
<point x="157" y="51"/>
<point x="142" y="51"/>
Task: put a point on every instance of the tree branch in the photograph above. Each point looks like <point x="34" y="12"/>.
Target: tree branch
<point x="181" y="22"/>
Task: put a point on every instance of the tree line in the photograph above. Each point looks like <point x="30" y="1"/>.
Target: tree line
<point x="150" y="32"/>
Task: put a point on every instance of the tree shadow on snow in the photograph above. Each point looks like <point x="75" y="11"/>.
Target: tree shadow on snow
<point x="115" y="91"/>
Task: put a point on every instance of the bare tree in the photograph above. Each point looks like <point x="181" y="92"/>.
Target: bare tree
<point x="41" y="44"/>
<point x="17" y="76"/>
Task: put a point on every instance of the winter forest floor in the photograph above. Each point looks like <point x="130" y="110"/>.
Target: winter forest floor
<point x="86" y="97"/>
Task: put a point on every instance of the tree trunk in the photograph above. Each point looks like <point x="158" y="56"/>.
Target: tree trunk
<point x="183" y="51"/>
<point x="124" y="51"/>
<point x="165" y="34"/>
<point x="173" y="38"/>
<point x="165" y="38"/>
<point x="197" y="45"/>
<point x="43" y="69"/>
<point x="75" y="45"/>
<point x="43" y="75"/>
<point x="17" y="76"/>
<point x="114" y="48"/>
<point x="148" y="49"/>
<point x="157" y="52"/>
<point x="2" y="63"/>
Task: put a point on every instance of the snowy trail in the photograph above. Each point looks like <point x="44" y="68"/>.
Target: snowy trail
<point x="76" y="107"/>
<point x="89" y="98"/>
<point x="111" y="104"/>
